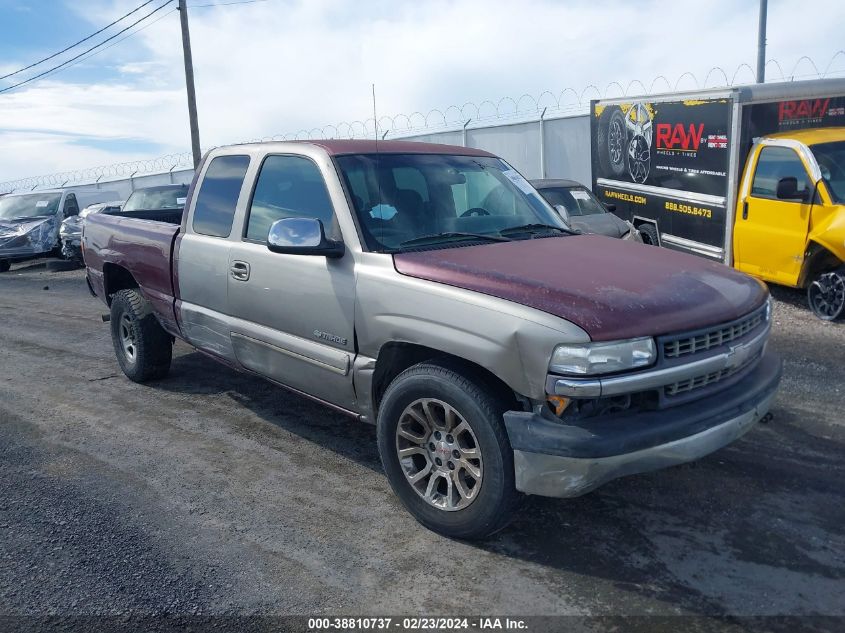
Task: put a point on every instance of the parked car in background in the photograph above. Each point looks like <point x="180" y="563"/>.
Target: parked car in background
<point x="71" y="229"/>
<point x="582" y="211"/>
<point x="161" y="198"/>
<point x="432" y="291"/>
<point x="29" y="222"/>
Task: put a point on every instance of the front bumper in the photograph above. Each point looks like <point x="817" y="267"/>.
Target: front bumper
<point x="554" y="459"/>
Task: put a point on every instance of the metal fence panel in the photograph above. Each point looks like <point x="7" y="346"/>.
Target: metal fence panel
<point x="518" y="144"/>
<point x="567" y="149"/>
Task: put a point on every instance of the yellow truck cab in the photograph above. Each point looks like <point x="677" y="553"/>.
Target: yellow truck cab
<point x="790" y="217"/>
<point x="752" y="176"/>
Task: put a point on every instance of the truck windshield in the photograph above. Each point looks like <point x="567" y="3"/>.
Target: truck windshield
<point x="29" y="206"/>
<point x="831" y="160"/>
<point x="154" y="199"/>
<point x="400" y="199"/>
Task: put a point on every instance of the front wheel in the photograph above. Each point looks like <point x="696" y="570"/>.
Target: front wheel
<point x="826" y="295"/>
<point x="445" y="450"/>
<point x="143" y="349"/>
<point x="5" y="265"/>
<point x="649" y="234"/>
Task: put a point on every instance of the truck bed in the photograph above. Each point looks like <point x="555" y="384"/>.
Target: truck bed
<point x="143" y="248"/>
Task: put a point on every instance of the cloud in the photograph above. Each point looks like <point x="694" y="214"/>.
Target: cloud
<point x="285" y="65"/>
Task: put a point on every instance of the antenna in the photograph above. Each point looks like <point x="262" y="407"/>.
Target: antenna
<point x="375" y="117"/>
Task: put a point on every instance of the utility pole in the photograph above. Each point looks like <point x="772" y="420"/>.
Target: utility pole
<point x="761" y="43"/>
<point x="189" y="83"/>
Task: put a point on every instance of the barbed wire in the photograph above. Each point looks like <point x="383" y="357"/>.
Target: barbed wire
<point x="548" y="104"/>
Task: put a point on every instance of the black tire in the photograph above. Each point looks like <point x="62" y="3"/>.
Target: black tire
<point x="5" y="265"/>
<point x="826" y="295"/>
<point x="649" y="233"/>
<point x="152" y="347"/>
<point x="496" y="499"/>
<point x="612" y="125"/>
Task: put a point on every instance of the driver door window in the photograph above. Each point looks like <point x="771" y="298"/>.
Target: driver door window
<point x="288" y="187"/>
<point x="71" y="206"/>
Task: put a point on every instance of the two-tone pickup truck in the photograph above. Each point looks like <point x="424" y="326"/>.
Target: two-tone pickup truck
<point x="497" y="352"/>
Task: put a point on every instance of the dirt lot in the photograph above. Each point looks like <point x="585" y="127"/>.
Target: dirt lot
<point x="214" y="492"/>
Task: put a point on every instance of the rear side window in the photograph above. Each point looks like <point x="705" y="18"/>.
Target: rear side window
<point x="288" y="187"/>
<point x="776" y="163"/>
<point x="218" y="195"/>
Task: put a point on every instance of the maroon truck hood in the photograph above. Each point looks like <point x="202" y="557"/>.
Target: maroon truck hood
<point x="613" y="289"/>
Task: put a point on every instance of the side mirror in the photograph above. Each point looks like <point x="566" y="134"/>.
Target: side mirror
<point x="610" y="206"/>
<point x="563" y="213"/>
<point x="302" y="236"/>
<point x="788" y="190"/>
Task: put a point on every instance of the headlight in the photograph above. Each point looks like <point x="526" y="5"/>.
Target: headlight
<point x="591" y="359"/>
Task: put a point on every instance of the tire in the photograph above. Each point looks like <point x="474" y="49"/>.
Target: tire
<point x="143" y="349"/>
<point x="433" y="501"/>
<point x="5" y="265"/>
<point x="649" y="233"/>
<point x="826" y="295"/>
<point x="612" y="141"/>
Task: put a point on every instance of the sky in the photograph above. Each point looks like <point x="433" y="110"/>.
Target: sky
<point x="272" y="67"/>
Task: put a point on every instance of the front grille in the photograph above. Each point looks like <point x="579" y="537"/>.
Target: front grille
<point x="690" y="384"/>
<point x="686" y="344"/>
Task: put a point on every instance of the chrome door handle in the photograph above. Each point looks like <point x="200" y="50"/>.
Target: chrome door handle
<point x="239" y="271"/>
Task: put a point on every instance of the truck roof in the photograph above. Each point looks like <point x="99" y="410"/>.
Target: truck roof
<point x="339" y="147"/>
<point x="813" y="136"/>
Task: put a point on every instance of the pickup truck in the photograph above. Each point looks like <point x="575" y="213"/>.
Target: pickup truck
<point x="498" y="352"/>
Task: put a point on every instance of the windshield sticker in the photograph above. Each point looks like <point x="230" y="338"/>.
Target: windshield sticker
<point x="181" y="200"/>
<point x="579" y="194"/>
<point x="519" y="181"/>
<point x="42" y="203"/>
<point x="383" y="212"/>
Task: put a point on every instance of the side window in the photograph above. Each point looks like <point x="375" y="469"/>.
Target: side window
<point x="218" y="195"/>
<point x="288" y="187"/>
<point x="71" y="206"/>
<point x="773" y="164"/>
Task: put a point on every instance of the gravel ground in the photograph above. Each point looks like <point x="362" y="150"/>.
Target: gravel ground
<point x="212" y="492"/>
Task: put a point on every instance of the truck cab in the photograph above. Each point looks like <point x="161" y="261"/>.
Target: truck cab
<point x="790" y="215"/>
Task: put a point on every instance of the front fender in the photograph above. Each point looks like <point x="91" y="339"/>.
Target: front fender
<point x="512" y="341"/>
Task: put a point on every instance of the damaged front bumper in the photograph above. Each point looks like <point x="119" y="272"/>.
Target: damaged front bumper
<point x="554" y="459"/>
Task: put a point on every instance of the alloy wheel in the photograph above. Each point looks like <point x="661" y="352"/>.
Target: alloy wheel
<point x="439" y="454"/>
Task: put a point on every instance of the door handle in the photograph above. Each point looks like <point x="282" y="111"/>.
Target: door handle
<point x="745" y="209"/>
<point x="239" y="271"/>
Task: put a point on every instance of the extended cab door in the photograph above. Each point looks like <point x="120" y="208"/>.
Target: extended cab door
<point x="770" y="234"/>
<point x="202" y="265"/>
<point x="293" y="313"/>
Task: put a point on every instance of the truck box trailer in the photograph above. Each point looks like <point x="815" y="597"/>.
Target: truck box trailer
<point x="752" y="176"/>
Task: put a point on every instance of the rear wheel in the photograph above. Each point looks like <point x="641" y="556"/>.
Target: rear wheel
<point x="649" y="233"/>
<point x="143" y="349"/>
<point x="446" y="453"/>
<point x="826" y="295"/>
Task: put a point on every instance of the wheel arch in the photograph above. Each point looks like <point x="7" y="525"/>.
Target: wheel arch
<point x="396" y="356"/>
<point x="116" y="278"/>
<point x="817" y="259"/>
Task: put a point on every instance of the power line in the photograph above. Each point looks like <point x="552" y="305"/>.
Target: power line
<point x="223" y="4"/>
<point x="125" y="37"/>
<point x="85" y="52"/>
<point x="64" y="50"/>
